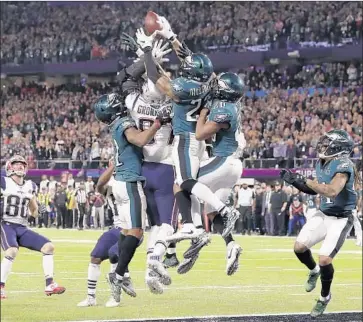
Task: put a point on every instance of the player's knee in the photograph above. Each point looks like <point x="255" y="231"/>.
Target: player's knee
<point x="188" y="185"/>
<point x="48" y="248"/>
<point x="324" y="260"/>
<point x="299" y="248"/>
<point x="136" y="232"/>
<point x="11" y="252"/>
<point x="95" y="260"/>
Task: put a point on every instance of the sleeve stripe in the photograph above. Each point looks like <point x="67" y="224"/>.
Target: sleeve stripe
<point x="133" y="105"/>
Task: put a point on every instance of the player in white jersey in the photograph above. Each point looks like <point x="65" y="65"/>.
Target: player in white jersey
<point x="157" y="168"/>
<point x="18" y="197"/>
<point x="106" y="246"/>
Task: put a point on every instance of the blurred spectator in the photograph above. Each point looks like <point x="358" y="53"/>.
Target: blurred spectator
<point x="42" y="32"/>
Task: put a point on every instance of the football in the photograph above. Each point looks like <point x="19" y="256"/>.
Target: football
<point x="151" y="23"/>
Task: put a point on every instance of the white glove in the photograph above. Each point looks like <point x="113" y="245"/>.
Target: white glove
<point x="143" y="40"/>
<point x="159" y="51"/>
<point x="165" y="31"/>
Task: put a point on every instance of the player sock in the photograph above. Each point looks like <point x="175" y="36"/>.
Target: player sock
<point x="6" y="265"/>
<point x="202" y="192"/>
<point x="326" y="277"/>
<point x="218" y="225"/>
<point x="184" y="203"/>
<point x="171" y="250"/>
<point x="307" y="259"/>
<point x="196" y="213"/>
<point x="113" y="267"/>
<point x="127" y="252"/>
<point x="94" y="272"/>
<point x="48" y="268"/>
<point x="161" y="245"/>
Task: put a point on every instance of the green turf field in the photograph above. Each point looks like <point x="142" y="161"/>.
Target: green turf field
<point x="270" y="280"/>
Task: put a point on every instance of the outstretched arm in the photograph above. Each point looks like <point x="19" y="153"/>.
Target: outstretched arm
<point x="332" y="189"/>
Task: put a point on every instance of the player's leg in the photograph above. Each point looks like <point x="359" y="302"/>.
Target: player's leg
<point x="357" y="228"/>
<point x="164" y="199"/>
<point x="224" y="176"/>
<point x="337" y="230"/>
<point x="10" y="247"/>
<point x="187" y="153"/>
<point x="34" y="241"/>
<point x="131" y="203"/>
<point x="313" y="232"/>
<point x="171" y="259"/>
<point x="99" y="253"/>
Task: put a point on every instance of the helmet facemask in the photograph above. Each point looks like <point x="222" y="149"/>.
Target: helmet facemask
<point x="16" y="166"/>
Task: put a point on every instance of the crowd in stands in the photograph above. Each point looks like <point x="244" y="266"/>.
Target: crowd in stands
<point x="44" y="32"/>
<point x="57" y="123"/>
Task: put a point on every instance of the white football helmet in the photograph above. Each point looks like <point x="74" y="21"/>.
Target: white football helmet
<point x="11" y="169"/>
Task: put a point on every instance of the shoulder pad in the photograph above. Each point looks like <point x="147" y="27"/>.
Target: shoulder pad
<point x="124" y="123"/>
<point x="131" y="100"/>
<point x="220" y="115"/>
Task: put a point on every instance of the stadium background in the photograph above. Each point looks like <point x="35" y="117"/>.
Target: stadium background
<point x="301" y="63"/>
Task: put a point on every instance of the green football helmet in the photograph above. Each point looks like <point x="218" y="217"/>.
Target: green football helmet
<point x="335" y="143"/>
<point x="109" y="107"/>
<point x="228" y="87"/>
<point x="197" y="67"/>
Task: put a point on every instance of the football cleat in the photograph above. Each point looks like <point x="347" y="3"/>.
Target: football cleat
<point x="171" y="261"/>
<point x="112" y="303"/>
<point x="89" y="301"/>
<point x="153" y="283"/>
<point x="115" y="285"/>
<point x="54" y="289"/>
<point x="187" y="264"/>
<point x="230" y="216"/>
<point x="2" y="293"/>
<point x="184" y="234"/>
<point x="320" y="307"/>
<point x="196" y="245"/>
<point x="158" y="268"/>
<point x="234" y="251"/>
<point x="359" y="243"/>
<point x="127" y="286"/>
<point x="311" y="282"/>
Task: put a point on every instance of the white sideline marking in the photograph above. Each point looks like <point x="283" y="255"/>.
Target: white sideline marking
<point x="247" y="288"/>
<point x="215" y="317"/>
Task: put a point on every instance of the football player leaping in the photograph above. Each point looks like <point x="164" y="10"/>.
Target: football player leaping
<point x="187" y="93"/>
<point x="18" y="196"/>
<point x="144" y="105"/>
<point x="335" y="183"/>
<point x="220" y="120"/>
<point x="127" y="187"/>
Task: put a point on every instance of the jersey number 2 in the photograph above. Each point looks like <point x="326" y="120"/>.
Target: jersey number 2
<point x="191" y="116"/>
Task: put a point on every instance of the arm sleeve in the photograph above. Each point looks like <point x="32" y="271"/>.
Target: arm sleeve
<point x="343" y="166"/>
<point x="131" y="100"/>
<point x="220" y="115"/>
<point x="126" y="123"/>
<point x="137" y="69"/>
